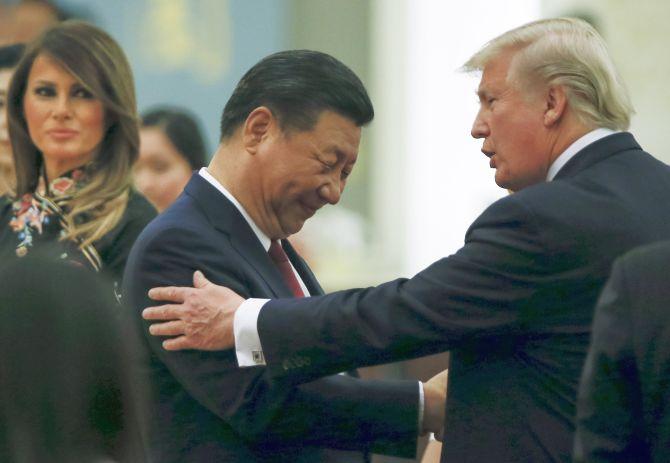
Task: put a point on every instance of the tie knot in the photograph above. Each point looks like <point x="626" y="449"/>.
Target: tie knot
<point x="277" y="252"/>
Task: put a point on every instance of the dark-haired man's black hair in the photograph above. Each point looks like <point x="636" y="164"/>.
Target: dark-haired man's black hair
<point x="297" y="85"/>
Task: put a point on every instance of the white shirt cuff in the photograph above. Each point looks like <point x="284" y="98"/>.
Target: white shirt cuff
<point x="245" y="327"/>
<point x="422" y="403"/>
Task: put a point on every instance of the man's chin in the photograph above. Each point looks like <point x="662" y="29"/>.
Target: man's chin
<point x="293" y="227"/>
<point x="502" y="182"/>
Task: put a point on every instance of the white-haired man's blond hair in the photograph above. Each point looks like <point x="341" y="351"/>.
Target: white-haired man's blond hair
<point x="567" y="52"/>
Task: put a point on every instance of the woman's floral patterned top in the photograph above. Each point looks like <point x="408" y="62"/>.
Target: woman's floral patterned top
<point x="39" y="217"/>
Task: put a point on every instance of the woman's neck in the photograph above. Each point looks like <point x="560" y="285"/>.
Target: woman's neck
<point x="55" y="169"/>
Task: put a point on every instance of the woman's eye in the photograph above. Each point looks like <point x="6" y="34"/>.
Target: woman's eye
<point x="45" y="91"/>
<point x="82" y="93"/>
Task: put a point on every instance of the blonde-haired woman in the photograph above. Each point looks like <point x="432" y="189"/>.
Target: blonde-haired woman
<point x="74" y="133"/>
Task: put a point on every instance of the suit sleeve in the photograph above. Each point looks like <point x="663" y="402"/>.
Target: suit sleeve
<point x="490" y="288"/>
<point x="609" y="416"/>
<point x="339" y="411"/>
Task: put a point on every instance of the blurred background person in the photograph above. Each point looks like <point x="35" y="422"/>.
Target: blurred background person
<point x="9" y="57"/>
<point x="171" y="148"/>
<point x="73" y="127"/>
<point x="68" y="388"/>
<point x="22" y="21"/>
<point x="623" y="407"/>
<point x="25" y="20"/>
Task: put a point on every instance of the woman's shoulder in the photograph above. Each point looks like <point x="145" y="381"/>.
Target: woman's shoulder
<point x="139" y="206"/>
<point x="5" y="212"/>
<point x="115" y="245"/>
<point x="7" y="203"/>
<point x="139" y="211"/>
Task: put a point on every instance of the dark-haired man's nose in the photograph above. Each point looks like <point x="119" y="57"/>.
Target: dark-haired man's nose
<point x="332" y="190"/>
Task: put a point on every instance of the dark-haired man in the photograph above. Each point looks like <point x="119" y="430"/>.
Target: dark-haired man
<point x="289" y="139"/>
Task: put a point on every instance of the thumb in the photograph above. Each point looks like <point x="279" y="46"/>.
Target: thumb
<point x="199" y="280"/>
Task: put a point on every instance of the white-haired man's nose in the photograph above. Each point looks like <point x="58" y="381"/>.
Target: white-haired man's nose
<point x="480" y="129"/>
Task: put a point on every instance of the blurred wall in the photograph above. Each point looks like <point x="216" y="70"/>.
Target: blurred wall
<point x="638" y="36"/>
<point x="191" y="52"/>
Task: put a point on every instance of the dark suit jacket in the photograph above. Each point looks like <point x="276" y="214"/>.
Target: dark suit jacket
<point x="206" y="409"/>
<point x="514" y="305"/>
<point x="623" y="411"/>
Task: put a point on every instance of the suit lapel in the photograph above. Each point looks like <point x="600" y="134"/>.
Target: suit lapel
<point x="596" y="152"/>
<point x="226" y="218"/>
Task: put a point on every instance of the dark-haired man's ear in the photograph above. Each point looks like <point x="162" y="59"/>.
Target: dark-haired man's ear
<point x="556" y="103"/>
<point x="256" y="128"/>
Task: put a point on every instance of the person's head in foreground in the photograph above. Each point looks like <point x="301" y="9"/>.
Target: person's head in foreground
<point x="68" y="390"/>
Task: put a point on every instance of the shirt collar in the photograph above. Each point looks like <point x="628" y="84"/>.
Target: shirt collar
<point x="575" y="148"/>
<point x="65" y="185"/>
<point x="262" y="237"/>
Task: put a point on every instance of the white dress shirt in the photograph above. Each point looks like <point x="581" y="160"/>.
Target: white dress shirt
<point x="575" y="148"/>
<point x="248" y="347"/>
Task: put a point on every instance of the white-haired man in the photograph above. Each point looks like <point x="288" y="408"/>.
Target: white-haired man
<point x="514" y="304"/>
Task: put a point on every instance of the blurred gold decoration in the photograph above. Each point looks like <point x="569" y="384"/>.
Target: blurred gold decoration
<point x="188" y="35"/>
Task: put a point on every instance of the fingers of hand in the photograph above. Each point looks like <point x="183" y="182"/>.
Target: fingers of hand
<point x="179" y="343"/>
<point x="168" y="293"/>
<point x="199" y="280"/>
<point x="161" y="312"/>
<point x="172" y="328"/>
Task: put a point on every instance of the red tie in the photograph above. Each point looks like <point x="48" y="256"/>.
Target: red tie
<point x="280" y="259"/>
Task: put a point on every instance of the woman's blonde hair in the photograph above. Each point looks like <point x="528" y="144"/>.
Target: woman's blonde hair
<point x="98" y="63"/>
<point x="567" y="52"/>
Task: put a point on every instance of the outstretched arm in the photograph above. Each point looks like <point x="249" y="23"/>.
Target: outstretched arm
<point x="197" y="322"/>
<point x="486" y="289"/>
<point x="338" y="411"/>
